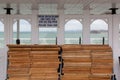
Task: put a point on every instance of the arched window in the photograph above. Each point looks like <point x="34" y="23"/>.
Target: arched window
<point x="25" y="32"/>
<point x="99" y="32"/>
<point x="2" y="42"/>
<point x="73" y="32"/>
<point x="47" y="35"/>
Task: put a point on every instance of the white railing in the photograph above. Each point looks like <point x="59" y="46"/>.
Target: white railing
<point x="71" y="40"/>
<point x="98" y="40"/>
<point x="23" y="40"/>
<point x="47" y="40"/>
<point x="41" y="40"/>
<point x="53" y="40"/>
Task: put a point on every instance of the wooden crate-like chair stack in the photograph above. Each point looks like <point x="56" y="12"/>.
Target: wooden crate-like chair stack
<point x="95" y="62"/>
<point x="41" y="62"/>
<point x="45" y="63"/>
<point x="33" y="62"/>
<point x="18" y="62"/>
<point x="77" y="63"/>
<point x="102" y="63"/>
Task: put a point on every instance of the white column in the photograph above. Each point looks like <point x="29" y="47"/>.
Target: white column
<point x="3" y="62"/>
<point x="116" y="49"/>
<point x="7" y="29"/>
<point x="60" y="36"/>
<point x="35" y="28"/>
<point x="10" y="28"/>
<point x="86" y="27"/>
<point x="110" y="28"/>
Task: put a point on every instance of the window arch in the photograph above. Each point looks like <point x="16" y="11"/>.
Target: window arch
<point x="98" y="31"/>
<point x="73" y="32"/>
<point x="2" y="40"/>
<point x="25" y="32"/>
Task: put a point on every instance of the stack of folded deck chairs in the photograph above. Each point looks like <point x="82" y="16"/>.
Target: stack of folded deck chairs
<point x="33" y="62"/>
<point x="18" y="63"/>
<point x="42" y="62"/>
<point x="102" y="63"/>
<point x="87" y="62"/>
<point x="77" y="63"/>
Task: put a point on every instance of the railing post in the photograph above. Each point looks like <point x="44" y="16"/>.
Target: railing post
<point x="79" y="40"/>
<point x="56" y="40"/>
<point x="103" y="40"/>
<point x="18" y="32"/>
<point x="17" y="41"/>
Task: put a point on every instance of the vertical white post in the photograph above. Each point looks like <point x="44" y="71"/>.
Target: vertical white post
<point x="60" y="36"/>
<point x="18" y="29"/>
<point x="18" y="26"/>
<point x="116" y="46"/>
<point x="110" y="25"/>
<point x="35" y="28"/>
<point x="4" y="50"/>
<point x="86" y="29"/>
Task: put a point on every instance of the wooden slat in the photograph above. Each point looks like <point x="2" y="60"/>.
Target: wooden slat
<point x="44" y="76"/>
<point x="20" y="49"/>
<point x="77" y="59"/>
<point x="76" y="70"/>
<point x="19" y="62"/>
<point x="21" y="78"/>
<point x="45" y="56"/>
<point x="18" y="75"/>
<point x="75" y="54"/>
<point x="18" y="52"/>
<point x="77" y="64"/>
<point x="75" y="76"/>
<point x="43" y="79"/>
<point x="19" y="66"/>
<point x="45" y="49"/>
<point x="44" y="60"/>
<point x="102" y="70"/>
<point x="85" y="47"/>
<point x="18" y="70"/>
<point x="100" y="77"/>
<point x="44" y="52"/>
<point x="20" y="59"/>
<point x="43" y="70"/>
<point x="99" y="60"/>
<point x="45" y="65"/>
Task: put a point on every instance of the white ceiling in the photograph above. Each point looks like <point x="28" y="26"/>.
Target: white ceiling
<point x="51" y="6"/>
